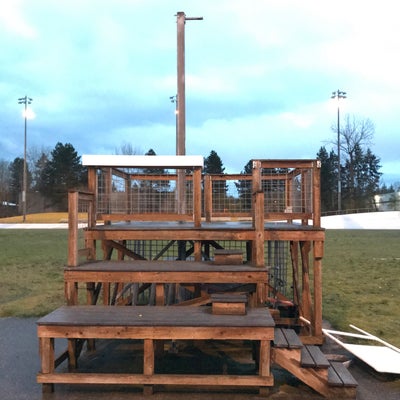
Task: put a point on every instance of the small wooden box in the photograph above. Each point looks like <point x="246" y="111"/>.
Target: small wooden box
<point x="225" y="257"/>
<point x="229" y="304"/>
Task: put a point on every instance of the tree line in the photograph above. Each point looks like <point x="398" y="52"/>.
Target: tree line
<point x="52" y="173"/>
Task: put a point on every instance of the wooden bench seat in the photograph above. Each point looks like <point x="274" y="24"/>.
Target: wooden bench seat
<point x="164" y="272"/>
<point x="151" y="324"/>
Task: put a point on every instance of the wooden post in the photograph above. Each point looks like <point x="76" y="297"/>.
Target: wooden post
<point x="258" y="221"/>
<point x="181" y="110"/>
<point x="208" y="197"/>
<point x="46" y="350"/>
<point x="197" y="197"/>
<point x="265" y="363"/>
<point x="73" y="197"/>
<point x="318" y="254"/>
<point x="148" y="363"/>
<point x="317" y="194"/>
<point x="160" y="294"/>
<point x="257" y="256"/>
<point x="305" y="248"/>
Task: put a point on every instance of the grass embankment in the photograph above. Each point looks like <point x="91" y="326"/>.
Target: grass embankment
<point x="31" y="268"/>
<point x="43" y="218"/>
<point x="361" y="281"/>
<point x="361" y="277"/>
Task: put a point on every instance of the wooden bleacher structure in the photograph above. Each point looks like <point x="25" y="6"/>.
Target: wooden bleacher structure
<point x="278" y="203"/>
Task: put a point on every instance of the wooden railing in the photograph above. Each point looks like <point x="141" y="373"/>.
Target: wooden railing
<point x="74" y="222"/>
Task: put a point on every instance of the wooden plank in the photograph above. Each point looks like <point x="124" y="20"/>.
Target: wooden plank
<point x="338" y="371"/>
<point x="292" y="339"/>
<point x="320" y="361"/>
<point x="152" y="316"/>
<point x="229" y="308"/>
<point x="280" y="339"/>
<point x="334" y="378"/>
<point x="163" y="266"/>
<point x="156" y="379"/>
<point x="265" y="358"/>
<point x="204" y="234"/>
<point x="73" y="259"/>
<point x="228" y="298"/>
<point x="148" y="357"/>
<point x="307" y="360"/>
<point x="227" y="256"/>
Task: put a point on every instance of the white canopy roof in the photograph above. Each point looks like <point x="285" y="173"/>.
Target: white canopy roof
<point x="142" y="161"/>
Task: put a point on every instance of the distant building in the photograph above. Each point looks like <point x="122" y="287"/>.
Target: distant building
<point x="387" y="201"/>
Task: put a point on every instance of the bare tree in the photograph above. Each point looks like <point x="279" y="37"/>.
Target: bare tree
<point x="127" y="149"/>
<point x="356" y="136"/>
<point x="356" y="132"/>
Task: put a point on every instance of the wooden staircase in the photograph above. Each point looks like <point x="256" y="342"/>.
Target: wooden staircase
<point x="309" y="364"/>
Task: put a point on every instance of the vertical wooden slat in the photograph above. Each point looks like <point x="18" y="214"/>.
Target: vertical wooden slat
<point x="73" y="197"/>
<point x="46" y="349"/>
<point x="106" y="293"/>
<point x="197" y="250"/>
<point x="148" y="363"/>
<point x="317" y="289"/>
<point x="197" y="197"/>
<point x="265" y="357"/>
<point x="294" y="254"/>
<point x="258" y="221"/>
<point x="71" y="293"/>
<point x="72" y="356"/>
<point x="305" y="248"/>
<point x="159" y="294"/>
<point x="317" y="194"/>
<point x="208" y="197"/>
<point x="92" y="187"/>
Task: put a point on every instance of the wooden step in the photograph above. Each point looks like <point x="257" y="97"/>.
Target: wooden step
<point x="226" y="256"/>
<point x="339" y="375"/>
<point x="312" y="357"/>
<point x="229" y="303"/>
<point x="287" y="339"/>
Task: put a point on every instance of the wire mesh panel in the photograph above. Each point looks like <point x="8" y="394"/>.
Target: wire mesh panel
<point x="287" y="190"/>
<point x="154" y="192"/>
<point x="231" y="195"/>
<point x="277" y="258"/>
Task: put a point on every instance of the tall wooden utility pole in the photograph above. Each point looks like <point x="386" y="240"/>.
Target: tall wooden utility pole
<point x="181" y="106"/>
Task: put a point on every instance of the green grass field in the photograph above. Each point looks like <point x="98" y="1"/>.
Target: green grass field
<point x="361" y="277"/>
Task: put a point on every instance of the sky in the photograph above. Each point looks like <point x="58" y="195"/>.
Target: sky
<point x="259" y="76"/>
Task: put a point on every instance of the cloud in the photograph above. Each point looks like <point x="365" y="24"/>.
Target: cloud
<point x="259" y="75"/>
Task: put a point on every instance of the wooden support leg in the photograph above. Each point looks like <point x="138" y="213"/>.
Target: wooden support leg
<point x="72" y="355"/>
<point x="197" y="250"/>
<point x="46" y="350"/>
<point x="106" y="293"/>
<point x="264" y="368"/>
<point x="160" y="294"/>
<point x="71" y="293"/>
<point x="148" y="363"/>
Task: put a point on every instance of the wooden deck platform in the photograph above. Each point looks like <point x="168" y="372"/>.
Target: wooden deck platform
<point x="152" y="324"/>
<point x="216" y="230"/>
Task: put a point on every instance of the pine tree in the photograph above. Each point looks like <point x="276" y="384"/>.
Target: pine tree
<point x="328" y="179"/>
<point x="63" y="171"/>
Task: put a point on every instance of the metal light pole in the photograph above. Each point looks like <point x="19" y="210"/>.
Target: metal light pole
<point x="339" y="95"/>
<point x="24" y="100"/>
